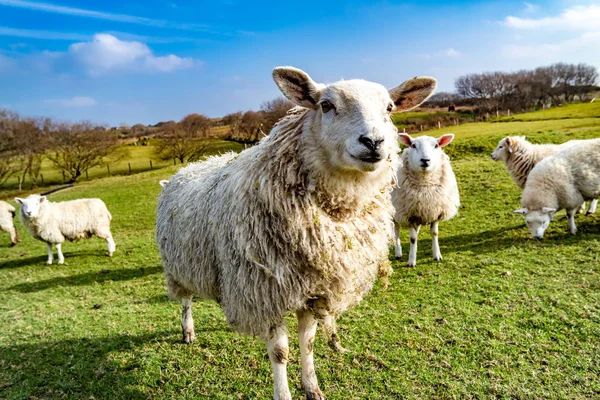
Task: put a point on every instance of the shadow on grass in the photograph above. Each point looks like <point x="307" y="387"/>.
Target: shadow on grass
<point x="75" y="368"/>
<point x="87" y="278"/>
<point x="70" y="256"/>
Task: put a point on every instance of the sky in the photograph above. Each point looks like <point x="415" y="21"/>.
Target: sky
<point x="145" y="61"/>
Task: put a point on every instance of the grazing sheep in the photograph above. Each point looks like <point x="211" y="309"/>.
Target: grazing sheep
<point x="7" y="214"/>
<point x="52" y="223"/>
<point x="426" y="193"/>
<point x="564" y="180"/>
<point x="298" y="223"/>
<point x="520" y="156"/>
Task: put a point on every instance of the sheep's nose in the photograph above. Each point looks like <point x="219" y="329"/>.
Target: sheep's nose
<point x="425" y="160"/>
<point x="370" y="143"/>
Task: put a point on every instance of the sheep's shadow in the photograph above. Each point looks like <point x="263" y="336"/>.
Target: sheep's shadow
<point x="41" y="260"/>
<point x="87" y="278"/>
<point x="82" y="367"/>
<point x="24" y="262"/>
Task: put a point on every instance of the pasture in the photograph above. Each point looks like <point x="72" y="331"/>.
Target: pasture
<point x="502" y="316"/>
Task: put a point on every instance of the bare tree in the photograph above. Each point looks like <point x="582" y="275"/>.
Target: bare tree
<point x="77" y="148"/>
<point x="185" y="141"/>
<point x="273" y="111"/>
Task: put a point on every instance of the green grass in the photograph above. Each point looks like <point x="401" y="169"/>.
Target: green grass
<point x="580" y="110"/>
<point x="502" y="316"/>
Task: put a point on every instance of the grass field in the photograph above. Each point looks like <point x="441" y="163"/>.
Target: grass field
<point x="502" y="316"/>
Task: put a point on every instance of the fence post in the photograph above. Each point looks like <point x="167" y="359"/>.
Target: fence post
<point x="497" y="113"/>
<point x="439" y="125"/>
<point x="87" y="178"/>
<point x="421" y="128"/>
<point x="150" y="164"/>
<point x="129" y="168"/>
<point x="509" y="112"/>
<point x="108" y="169"/>
<point x="403" y="130"/>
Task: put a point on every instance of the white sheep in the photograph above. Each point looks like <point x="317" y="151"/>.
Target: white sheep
<point x="53" y="223"/>
<point x="7" y="224"/>
<point x="426" y="192"/>
<point x="520" y="156"/>
<point x="298" y="223"/>
<point x="564" y="180"/>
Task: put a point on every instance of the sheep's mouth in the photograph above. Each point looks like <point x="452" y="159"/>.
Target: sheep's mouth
<point x="370" y="158"/>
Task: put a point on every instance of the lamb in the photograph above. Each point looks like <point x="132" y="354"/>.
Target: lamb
<point x="298" y="223"/>
<point x="7" y="214"/>
<point x="520" y="156"/>
<point x="52" y="223"/>
<point x="564" y="180"/>
<point x="426" y="193"/>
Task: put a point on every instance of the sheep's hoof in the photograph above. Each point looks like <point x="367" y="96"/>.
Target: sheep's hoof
<point x="411" y="265"/>
<point x="61" y="262"/>
<point x="587" y="214"/>
<point x="110" y="254"/>
<point x="336" y="346"/>
<point x="188" y="337"/>
<point x="314" y="394"/>
<point x="439" y="258"/>
<point x="13" y="244"/>
<point x="49" y="262"/>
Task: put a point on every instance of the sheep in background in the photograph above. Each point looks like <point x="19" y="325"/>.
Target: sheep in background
<point x="564" y="180"/>
<point x="7" y="214"/>
<point x="298" y="223"/>
<point x="163" y="182"/>
<point x="520" y="156"/>
<point x="426" y="193"/>
<point x="53" y="223"/>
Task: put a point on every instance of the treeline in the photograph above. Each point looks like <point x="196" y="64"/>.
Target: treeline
<point x="522" y="90"/>
<point x="72" y="148"/>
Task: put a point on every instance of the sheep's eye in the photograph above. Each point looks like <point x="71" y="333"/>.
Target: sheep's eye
<point x="500" y="147"/>
<point x="390" y="107"/>
<point x="437" y="145"/>
<point x="414" y="146"/>
<point x="326" y="106"/>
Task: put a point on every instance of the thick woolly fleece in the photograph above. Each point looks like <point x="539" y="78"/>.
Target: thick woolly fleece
<point x="7" y="213"/>
<point x="526" y="155"/>
<point x="566" y="179"/>
<point x="275" y="229"/>
<point x="69" y="220"/>
<point x="422" y="198"/>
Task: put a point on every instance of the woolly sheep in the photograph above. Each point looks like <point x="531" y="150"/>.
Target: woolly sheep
<point x="520" y="156"/>
<point x="7" y="214"/>
<point x="564" y="180"/>
<point x="426" y="192"/>
<point x="298" y="223"/>
<point x="52" y="223"/>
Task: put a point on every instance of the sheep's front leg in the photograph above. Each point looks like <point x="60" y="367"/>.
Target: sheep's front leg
<point x="435" y="246"/>
<point x="50" y="255"/>
<point x="571" y="217"/>
<point x="61" y="258"/>
<point x="413" y="233"/>
<point x="307" y="327"/>
<point x="593" y="206"/>
<point x="187" y="322"/>
<point x="111" y="246"/>
<point x="330" y="327"/>
<point x="397" y="246"/>
<point x="14" y="236"/>
<point x="278" y="349"/>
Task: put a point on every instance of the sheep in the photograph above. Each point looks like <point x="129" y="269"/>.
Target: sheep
<point x="520" y="156"/>
<point x="426" y="192"/>
<point x="298" y="223"/>
<point x="52" y="223"/>
<point x="163" y="182"/>
<point x="7" y="214"/>
<point x="564" y="180"/>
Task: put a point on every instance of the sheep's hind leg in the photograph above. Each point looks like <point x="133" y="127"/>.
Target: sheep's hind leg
<point x="14" y="236"/>
<point x="277" y="346"/>
<point x="61" y="258"/>
<point x="435" y="246"/>
<point x="307" y="327"/>
<point x="571" y="217"/>
<point x="187" y="322"/>
<point x="330" y="327"/>
<point x="397" y="246"/>
<point x="593" y="206"/>
<point x="50" y="255"/>
<point x="110" y="243"/>
<point x="413" y="233"/>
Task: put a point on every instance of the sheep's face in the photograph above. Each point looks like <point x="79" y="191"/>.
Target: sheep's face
<point x="425" y="153"/>
<point x="503" y="150"/>
<point x="30" y="206"/>
<point x="352" y="119"/>
<point x="537" y="220"/>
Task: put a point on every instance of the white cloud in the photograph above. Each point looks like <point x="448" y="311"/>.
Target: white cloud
<point x="450" y="52"/>
<point x="531" y="8"/>
<point x="575" y="18"/>
<point x="74" y="102"/>
<point x="106" y="53"/>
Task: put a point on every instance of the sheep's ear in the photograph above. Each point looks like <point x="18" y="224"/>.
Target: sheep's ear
<point x="413" y="92"/>
<point x="445" y="139"/>
<point x="42" y="199"/>
<point x="508" y="141"/>
<point x="549" y="210"/>
<point x="297" y="86"/>
<point x="406" y="139"/>
<point x="522" y="211"/>
<point x="19" y="200"/>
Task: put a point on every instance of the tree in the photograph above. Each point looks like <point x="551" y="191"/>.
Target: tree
<point x="273" y="111"/>
<point x="78" y="147"/>
<point x="184" y="141"/>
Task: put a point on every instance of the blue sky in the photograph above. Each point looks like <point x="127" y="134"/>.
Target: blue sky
<point x="150" y="60"/>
